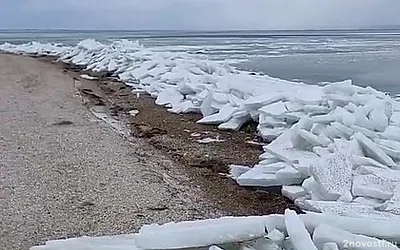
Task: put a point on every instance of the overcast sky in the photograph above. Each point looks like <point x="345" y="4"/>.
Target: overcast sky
<point x="198" y="14"/>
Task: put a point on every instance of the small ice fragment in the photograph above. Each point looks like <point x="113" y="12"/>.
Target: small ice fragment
<point x="88" y="77"/>
<point x="209" y="140"/>
<point x="134" y="112"/>
<point x="330" y="246"/>
<point x="293" y="192"/>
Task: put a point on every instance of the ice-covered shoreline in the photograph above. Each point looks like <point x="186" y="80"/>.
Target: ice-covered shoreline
<point x="335" y="148"/>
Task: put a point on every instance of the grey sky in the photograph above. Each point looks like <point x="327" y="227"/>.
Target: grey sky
<point x="198" y="14"/>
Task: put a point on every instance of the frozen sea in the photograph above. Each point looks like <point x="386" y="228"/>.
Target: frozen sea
<point x="369" y="57"/>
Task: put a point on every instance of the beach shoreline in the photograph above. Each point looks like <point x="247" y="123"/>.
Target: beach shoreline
<point x="104" y="189"/>
<point x="179" y="136"/>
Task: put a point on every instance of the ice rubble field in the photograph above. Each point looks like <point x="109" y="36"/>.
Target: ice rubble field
<point x="335" y="150"/>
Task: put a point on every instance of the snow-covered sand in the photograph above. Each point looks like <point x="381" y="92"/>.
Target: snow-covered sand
<point x="335" y="148"/>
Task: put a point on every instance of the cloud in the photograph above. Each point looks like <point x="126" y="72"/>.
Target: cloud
<point x="198" y="14"/>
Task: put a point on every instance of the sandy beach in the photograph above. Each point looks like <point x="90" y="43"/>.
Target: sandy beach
<point x="64" y="173"/>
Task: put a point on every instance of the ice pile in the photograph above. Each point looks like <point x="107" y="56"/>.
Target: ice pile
<point x="271" y="232"/>
<point x="335" y="148"/>
<point x="189" y="83"/>
<point x="342" y="156"/>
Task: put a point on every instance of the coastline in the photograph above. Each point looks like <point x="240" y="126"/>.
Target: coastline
<point x="178" y="135"/>
<point x="196" y="187"/>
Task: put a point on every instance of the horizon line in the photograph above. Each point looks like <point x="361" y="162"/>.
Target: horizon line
<point x="200" y="30"/>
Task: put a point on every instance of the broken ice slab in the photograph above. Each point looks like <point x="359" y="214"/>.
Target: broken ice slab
<point x="289" y="175"/>
<point x="271" y="168"/>
<point x="330" y="246"/>
<point x="321" y="151"/>
<point x="234" y="123"/>
<point x="347" y="147"/>
<point x="260" y="244"/>
<point x="372" y="186"/>
<point x="260" y="176"/>
<point x="392" y="133"/>
<point x="117" y="242"/>
<point x="293" y="192"/>
<point x="297" y="232"/>
<point x="282" y="148"/>
<point x="223" y="115"/>
<point x="334" y="174"/>
<point x="344" y="87"/>
<point x="392" y="148"/>
<point x="203" y="233"/>
<point x="169" y="95"/>
<point x="276" y="109"/>
<point x="366" y="161"/>
<point x="258" y="101"/>
<point x="314" y="140"/>
<point x="369" y="201"/>
<point x="354" y="210"/>
<point x="379" y="120"/>
<point x="325" y="233"/>
<point x="259" y="180"/>
<point x="384" y="229"/>
<point x="270" y="134"/>
<point x="314" y="189"/>
<point x="269" y="161"/>
<point x="237" y="170"/>
<point x="387" y="175"/>
<point x="367" y="132"/>
<point x="372" y="150"/>
<point x="316" y="109"/>
<point x="393" y="205"/>
<point x="220" y="97"/>
<point x="183" y="107"/>
<point x="347" y="131"/>
<point x="270" y="121"/>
